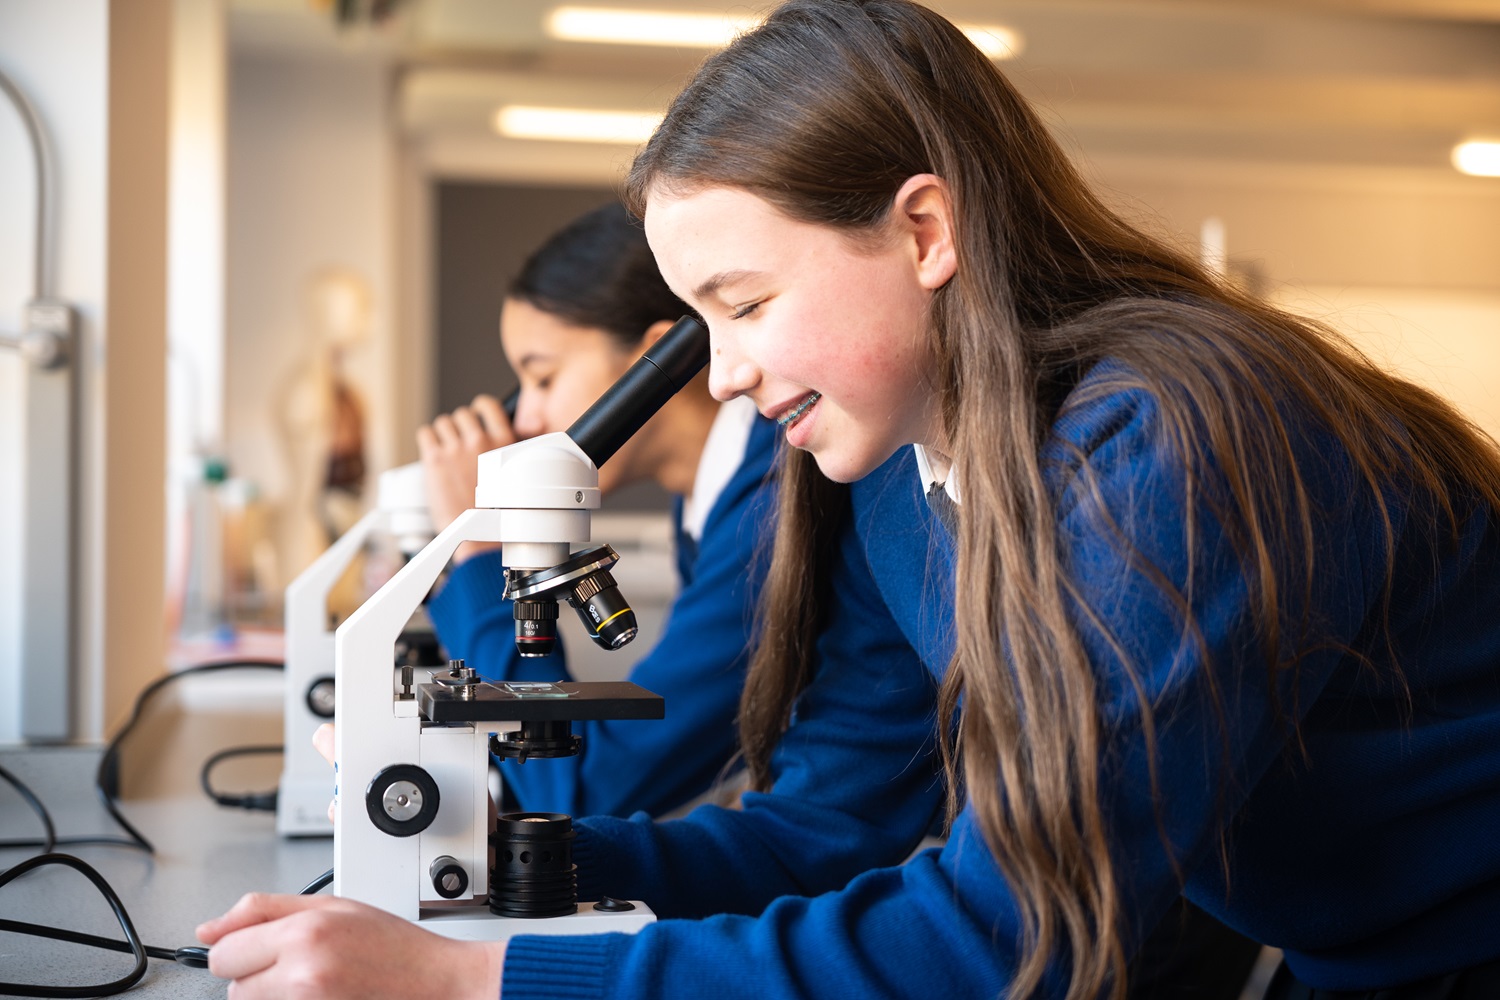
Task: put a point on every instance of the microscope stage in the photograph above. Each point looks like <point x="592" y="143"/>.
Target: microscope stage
<point x="571" y="701"/>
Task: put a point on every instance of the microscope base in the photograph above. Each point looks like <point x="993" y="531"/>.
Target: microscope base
<point x="475" y="923"/>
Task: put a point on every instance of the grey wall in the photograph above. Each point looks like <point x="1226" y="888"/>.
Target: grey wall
<point x="484" y="231"/>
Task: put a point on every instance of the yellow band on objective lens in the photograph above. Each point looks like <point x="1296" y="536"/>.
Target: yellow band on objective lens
<point x="610" y="619"/>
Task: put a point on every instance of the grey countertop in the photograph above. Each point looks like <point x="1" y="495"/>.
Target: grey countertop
<point x="206" y="858"/>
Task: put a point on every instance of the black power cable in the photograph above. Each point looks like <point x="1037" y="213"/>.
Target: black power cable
<point x="109" y="761"/>
<point x="132" y="940"/>
<point x="318" y="884"/>
<point x="194" y="956"/>
<point x="78" y="937"/>
<point x="257" y="801"/>
<point x="50" y="841"/>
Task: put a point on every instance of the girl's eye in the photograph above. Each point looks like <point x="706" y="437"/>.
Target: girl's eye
<point x="744" y="311"/>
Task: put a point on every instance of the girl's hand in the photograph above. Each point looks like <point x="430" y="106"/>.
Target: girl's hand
<point x="322" y="742"/>
<point x="450" y="448"/>
<point x="324" y="947"/>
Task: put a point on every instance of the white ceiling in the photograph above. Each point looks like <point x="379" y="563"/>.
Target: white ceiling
<point x="1377" y="83"/>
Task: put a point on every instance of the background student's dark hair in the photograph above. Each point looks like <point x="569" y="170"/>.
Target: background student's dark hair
<point x="825" y="111"/>
<point x="598" y="272"/>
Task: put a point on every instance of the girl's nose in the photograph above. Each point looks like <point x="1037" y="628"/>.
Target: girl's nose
<point x="730" y="373"/>
<point x="528" y="422"/>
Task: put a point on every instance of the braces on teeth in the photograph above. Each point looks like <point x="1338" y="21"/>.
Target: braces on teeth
<point x="800" y="409"/>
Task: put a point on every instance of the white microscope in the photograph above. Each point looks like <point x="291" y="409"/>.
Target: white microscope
<point x="411" y="753"/>
<point x="400" y="513"/>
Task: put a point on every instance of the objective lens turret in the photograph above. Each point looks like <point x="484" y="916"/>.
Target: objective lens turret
<point x="584" y="581"/>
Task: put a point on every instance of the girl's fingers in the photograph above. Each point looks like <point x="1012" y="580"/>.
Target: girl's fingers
<point x="260" y="985"/>
<point x="246" y="953"/>
<point x="443" y="430"/>
<point x="497" y="426"/>
<point x="466" y="431"/>
<point x="322" y="741"/>
<point x="471" y="433"/>
<point x="256" y="908"/>
<point x="296" y="931"/>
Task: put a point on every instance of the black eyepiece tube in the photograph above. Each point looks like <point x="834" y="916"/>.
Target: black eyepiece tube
<point x="625" y="407"/>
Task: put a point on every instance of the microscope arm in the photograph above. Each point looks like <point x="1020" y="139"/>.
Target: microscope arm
<point x="302" y="795"/>
<point x="307" y="595"/>
<point x="377" y="729"/>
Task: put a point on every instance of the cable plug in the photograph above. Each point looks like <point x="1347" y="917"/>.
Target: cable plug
<point x="257" y="802"/>
<point x="194" y="956"/>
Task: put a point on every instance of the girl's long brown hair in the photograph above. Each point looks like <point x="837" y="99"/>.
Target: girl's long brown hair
<point x="825" y="111"/>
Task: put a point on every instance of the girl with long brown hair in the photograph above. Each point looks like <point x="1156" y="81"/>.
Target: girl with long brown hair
<point x="1219" y="596"/>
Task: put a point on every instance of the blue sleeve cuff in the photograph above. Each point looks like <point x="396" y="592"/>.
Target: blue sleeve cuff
<point x="554" y="967"/>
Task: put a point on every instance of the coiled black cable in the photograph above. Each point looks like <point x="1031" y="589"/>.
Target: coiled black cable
<point x="50" y="840"/>
<point x="132" y="940"/>
<point x="104" y="785"/>
<point x="104" y="777"/>
<point x="193" y="955"/>
<point x="258" y="801"/>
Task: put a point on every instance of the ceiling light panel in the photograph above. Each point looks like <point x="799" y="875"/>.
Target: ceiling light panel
<point x="995" y="40"/>
<point x="519" y="121"/>
<point x="675" y="28"/>
<point x="646" y="27"/>
<point x="1478" y="158"/>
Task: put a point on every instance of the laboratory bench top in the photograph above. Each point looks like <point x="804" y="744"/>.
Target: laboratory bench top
<point x="206" y="858"/>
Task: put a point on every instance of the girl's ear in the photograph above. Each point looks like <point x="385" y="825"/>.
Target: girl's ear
<point x="924" y="203"/>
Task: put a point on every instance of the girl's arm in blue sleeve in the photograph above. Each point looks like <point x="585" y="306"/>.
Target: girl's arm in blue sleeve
<point x="945" y="923"/>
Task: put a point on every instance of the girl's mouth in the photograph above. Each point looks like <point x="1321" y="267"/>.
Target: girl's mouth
<point x="790" y="417"/>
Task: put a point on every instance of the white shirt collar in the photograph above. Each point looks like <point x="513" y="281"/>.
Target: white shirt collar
<point x="723" y="451"/>
<point x="929" y="470"/>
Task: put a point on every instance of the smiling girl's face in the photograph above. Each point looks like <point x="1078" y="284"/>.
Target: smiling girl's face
<point x="822" y="333"/>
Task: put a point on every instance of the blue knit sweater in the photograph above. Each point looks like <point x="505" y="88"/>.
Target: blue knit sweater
<point x="1372" y="858"/>
<point x="697" y="665"/>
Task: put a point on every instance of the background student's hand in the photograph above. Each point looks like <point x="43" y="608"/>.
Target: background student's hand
<point x="322" y="742"/>
<point x="324" y="947"/>
<point x="450" y="447"/>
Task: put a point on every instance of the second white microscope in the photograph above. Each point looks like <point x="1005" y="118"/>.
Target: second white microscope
<point x="400" y="513"/>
